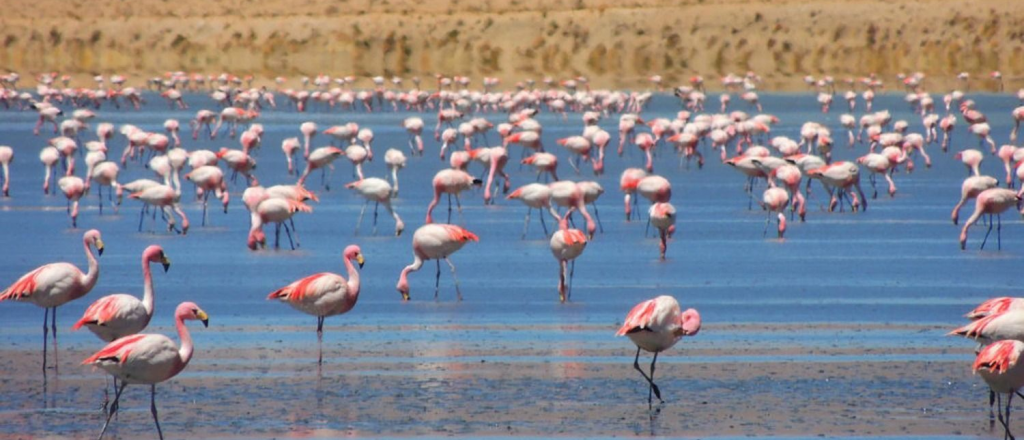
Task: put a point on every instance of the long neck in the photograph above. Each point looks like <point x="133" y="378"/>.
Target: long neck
<point x="417" y="263"/>
<point x="185" y="352"/>
<point x="94" y="266"/>
<point x="490" y="176"/>
<point x="353" y="278"/>
<point x="147" y="287"/>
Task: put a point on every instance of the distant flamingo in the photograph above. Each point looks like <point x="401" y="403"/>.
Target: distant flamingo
<point x="970" y="189"/>
<point x="534" y="196"/>
<point x="775" y="200"/>
<point x="570" y="195"/>
<point x="73" y="188"/>
<point x="414" y="125"/>
<point x="878" y="164"/>
<point x="166" y="198"/>
<point x="289" y="147"/>
<point x="992" y="201"/>
<point x="321" y="158"/>
<point x="273" y="210"/>
<point x="55" y="284"/>
<point x="544" y="163"/>
<point x="451" y="182"/>
<point x="654" y="326"/>
<point x="627" y="183"/>
<point x="841" y="177"/>
<point x="324" y="294"/>
<point x="377" y="191"/>
<point x="210" y="179"/>
<point x="972" y="160"/>
<point x="357" y="154"/>
<point x="663" y="217"/>
<point x="6" y="157"/>
<point x="395" y="160"/>
<point x="148" y="359"/>
<point x="308" y="130"/>
<point x="566" y="245"/>
<point x="435" y="242"/>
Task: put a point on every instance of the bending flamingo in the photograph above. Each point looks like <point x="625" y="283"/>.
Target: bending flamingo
<point x="566" y="245"/>
<point x="377" y="191"/>
<point x="435" y="242"/>
<point x="992" y="201"/>
<point x="654" y="326"/>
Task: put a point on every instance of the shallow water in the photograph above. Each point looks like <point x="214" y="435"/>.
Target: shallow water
<point x="882" y="286"/>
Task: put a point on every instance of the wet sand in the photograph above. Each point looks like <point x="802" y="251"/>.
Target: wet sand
<point x="464" y="388"/>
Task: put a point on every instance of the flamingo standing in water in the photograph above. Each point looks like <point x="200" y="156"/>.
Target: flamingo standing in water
<point x="148" y="359"/>
<point x="654" y="326"/>
<point x="210" y="179"/>
<point x="324" y="294"/>
<point x="627" y="183"/>
<point x="999" y="366"/>
<point x="534" y="196"/>
<point x="663" y="217"/>
<point x="6" y="156"/>
<point x="566" y="245"/>
<point x="55" y="284"/>
<point x="435" y="242"/>
<point x="273" y="210"/>
<point x="289" y="147"/>
<point x="378" y="191"/>
<point x="451" y="182"/>
<point x="775" y="200"/>
<point x="970" y="189"/>
<point x="395" y="160"/>
<point x="308" y="130"/>
<point x="118" y="315"/>
<point x="321" y="158"/>
<point x="414" y="125"/>
<point x="73" y="188"/>
<point x="992" y="201"/>
<point x="49" y="156"/>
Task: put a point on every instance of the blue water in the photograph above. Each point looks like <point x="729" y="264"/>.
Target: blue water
<point x="891" y="277"/>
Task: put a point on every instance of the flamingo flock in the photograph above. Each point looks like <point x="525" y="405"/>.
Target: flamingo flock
<point x="751" y="144"/>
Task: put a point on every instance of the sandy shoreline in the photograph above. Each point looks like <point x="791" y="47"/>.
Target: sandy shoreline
<point x="614" y="45"/>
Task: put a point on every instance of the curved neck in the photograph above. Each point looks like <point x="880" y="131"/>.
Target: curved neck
<point x="353" y="277"/>
<point x="147" y="287"/>
<point x="417" y="263"/>
<point x="94" y="266"/>
<point x="185" y="352"/>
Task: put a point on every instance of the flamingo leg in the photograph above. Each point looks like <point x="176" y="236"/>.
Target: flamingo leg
<point x="989" y="231"/>
<point x="526" y="223"/>
<point x="653" y="387"/>
<point x="999" y="246"/>
<point x="152" y="409"/>
<point x="544" y="225"/>
<point x="449" y="208"/>
<point x="206" y="196"/>
<point x="572" y="271"/>
<point x="288" y="232"/>
<point x="437" y="279"/>
<point x="291" y="221"/>
<point x="376" y="206"/>
<point x="53" y="328"/>
<point x="320" y="340"/>
<point x="991" y="411"/>
<point x="361" y="212"/>
<point x="46" y="330"/>
<point x="113" y="409"/>
<point x="598" y="215"/>
<point x="458" y="292"/>
<point x="277" y="235"/>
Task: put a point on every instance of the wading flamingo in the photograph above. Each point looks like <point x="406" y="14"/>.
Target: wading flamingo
<point x="435" y="242"/>
<point x="993" y="202"/>
<point x="654" y="326"/>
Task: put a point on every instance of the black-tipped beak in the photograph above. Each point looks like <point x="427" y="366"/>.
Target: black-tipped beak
<point x="100" y="251"/>
<point x="478" y="182"/>
<point x="206" y="323"/>
<point x="167" y="266"/>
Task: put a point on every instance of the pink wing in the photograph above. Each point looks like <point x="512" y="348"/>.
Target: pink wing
<point x="459" y="234"/>
<point x="103" y="310"/>
<point x="997" y="357"/>
<point x="975" y="328"/>
<point x="117" y="350"/>
<point x="24" y="287"/>
<point x="991" y="307"/>
<point x="296" y="291"/>
<point x="638" y="318"/>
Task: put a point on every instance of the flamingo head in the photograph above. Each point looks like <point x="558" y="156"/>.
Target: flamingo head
<point x="93" y="237"/>
<point x="155" y="254"/>
<point x="689" y="323"/>
<point x="352" y="252"/>
<point x="191" y="311"/>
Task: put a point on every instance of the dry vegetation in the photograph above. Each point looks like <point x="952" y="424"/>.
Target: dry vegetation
<point x="614" y="43"/>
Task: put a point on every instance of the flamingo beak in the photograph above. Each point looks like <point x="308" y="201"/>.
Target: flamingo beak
<point x="166" y="262"/>
<point x="204" y="318"/>
<point x="99" y="246"/>
<point x="360" y="260"/>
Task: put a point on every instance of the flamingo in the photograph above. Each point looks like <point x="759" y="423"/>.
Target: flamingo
<point x="999" y="366"/>
<point x="6" y="157"/>
<point x="324" y="294"/>
<point x="414" y="126"/>
<point x="378" y="191"/>
<point x="654" y="326"/>
<point x="167" y="199"/>
<point x="627" y="183"/>
<point x="775" y="200"/>
<point x="209" y="178"/>
<point x="119" y="315"/>
<point x="994" y="326"/>
<point x="357" y="154"/>
<point x="105" y="174"/>
<point x="203" y="118"/>
<point x="289" y="147"/>
<point x="878" y="164"/>
<point x="434" y="242"/>
<point x="591" y="192"/>
<point x="534" y="196"/>
<point x="73" y="188"/>
<point x="972" y="160"/>
<point x="543" y="162"/>
<point x="172" y="127"/>
<point x="148" y="359"/>
<point x="570" y="195"/>
<point x="663" y="217"/>
<point x="395" y="160"/>
<point x="451" y="182"/>
<point x="970" y="189"/>
<point x="55" y="284"/>
<point x="273" y="210"/>
<point x="308" y="130"/>
<point x="566" y="245"/>
<point x="841" y="176"/>
<point x="993" y="201"/>
<point x="321" y="158"/>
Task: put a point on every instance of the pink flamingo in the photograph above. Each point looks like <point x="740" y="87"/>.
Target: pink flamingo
<point x="165" y="198"/>
<point x="775" y="200"/>
<point x="579" y="146"/>
<point x="544" y="163"/>
<point x="357" y="154"/>
<point x="841" y="177"/>
<point x="210" y="179"/>
<point x="566" y="245"/>
<point x="534" y="196"/>
<point x="570" y="195"/>
<point x="451" y="182"/>
<point x="119" y="315"/>
<point x="1018" y="115"/>
<point x="655" y="189"/>
<point x="1006" y="154"/>
<point x="395" y="160"/>
<point x="448" y="137"/>
<point x="289" y="147"/>
<point x="435" y="242"/>
<point x="970" y="189"/>
<point x="645" y="142"/>
<point x="6" y="157"/>
<point x="324" y="294"/>
<point x="274" y="210"/>
<point x="627" y="183"/>
<point x="414" y="126"/>
<point x="972" y="160"/>
<point x="308" y="130"/>
<point x="999" y="366"/>
<point x="947" y="124"/>
<point x="663" y="217"/>
<point x="995" y="306"/>
<point x="982" y="130"/>
<point x="105" y="174"/>
<point x="654" y="326"/>
<point x="378" y="191"/>
<point x="321" y="158"/>
<point x="148" y="359"/>
<point x="55" y="284"/>
<point x="203" y="118"/>
<point x="993" y="201"/>
<point x="172" y="127"/>
<point x="878" y="164"/>
<point x="994" y="327"/>
<point x="73" y="188"/>
<point x="240" y="162"/>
